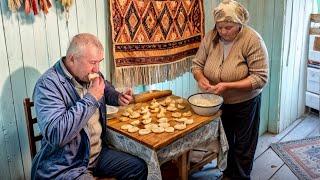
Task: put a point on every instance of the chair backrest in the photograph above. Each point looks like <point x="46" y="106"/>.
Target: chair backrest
<point x="30" y="121"/>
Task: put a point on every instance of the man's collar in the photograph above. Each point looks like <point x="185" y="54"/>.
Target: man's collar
<point x="64" y="68"/>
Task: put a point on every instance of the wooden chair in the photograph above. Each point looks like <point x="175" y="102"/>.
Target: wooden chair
<point x="27" y="104"/>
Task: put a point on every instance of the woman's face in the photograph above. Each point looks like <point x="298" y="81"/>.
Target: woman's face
<point x="228" y="31"/>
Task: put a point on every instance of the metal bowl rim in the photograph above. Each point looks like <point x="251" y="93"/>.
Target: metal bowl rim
<point x="204" y="106"/>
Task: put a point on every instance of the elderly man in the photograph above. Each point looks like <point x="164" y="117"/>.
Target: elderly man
<point x="71" y="115"/>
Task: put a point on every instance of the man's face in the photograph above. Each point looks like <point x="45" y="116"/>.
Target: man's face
<point x="87" y="63"/>
<point x="228" y="30"/>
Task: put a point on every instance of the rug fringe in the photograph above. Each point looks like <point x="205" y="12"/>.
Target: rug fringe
<point x="151" y="74"/>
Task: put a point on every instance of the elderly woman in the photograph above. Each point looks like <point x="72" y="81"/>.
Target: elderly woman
<point x="232" y="61"/>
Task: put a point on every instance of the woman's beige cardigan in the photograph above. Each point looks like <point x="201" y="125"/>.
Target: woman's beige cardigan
<point x="248" y="57"/>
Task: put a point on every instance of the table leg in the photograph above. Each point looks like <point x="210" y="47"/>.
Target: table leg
<point x="183" y="166"/>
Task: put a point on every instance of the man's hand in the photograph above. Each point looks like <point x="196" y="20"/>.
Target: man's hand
<point x="96" y="88"/>
<point x="125" y="98"/>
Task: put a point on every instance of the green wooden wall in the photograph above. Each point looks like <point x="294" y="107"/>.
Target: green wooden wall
<point x="29" y="45"/>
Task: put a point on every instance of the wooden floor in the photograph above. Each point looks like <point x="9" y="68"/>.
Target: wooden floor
<point x="267" y="164"/>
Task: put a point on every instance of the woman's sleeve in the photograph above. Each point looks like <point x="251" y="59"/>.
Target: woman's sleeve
<point x="200" y="59"/>
<point x="258" y="63"/>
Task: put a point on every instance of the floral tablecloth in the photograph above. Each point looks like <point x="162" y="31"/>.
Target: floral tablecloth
<point x="202" y="137"/>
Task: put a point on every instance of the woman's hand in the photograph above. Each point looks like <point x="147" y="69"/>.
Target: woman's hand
<point x="204" y="84"/>
<point x="219" y="88"/>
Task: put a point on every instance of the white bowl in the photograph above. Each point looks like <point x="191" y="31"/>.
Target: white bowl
<point x="111" y="111"/>
<point x="205" y="104"/>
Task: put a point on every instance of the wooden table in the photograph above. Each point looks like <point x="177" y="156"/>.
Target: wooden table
<point x="157" y="142"/>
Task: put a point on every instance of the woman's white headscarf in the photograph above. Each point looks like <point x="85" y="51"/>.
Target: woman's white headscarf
<point x="230" y="11"/>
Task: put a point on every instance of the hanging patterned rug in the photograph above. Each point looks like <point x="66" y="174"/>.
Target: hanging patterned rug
<point x="154" y="40"/>
<point x="301" y="156"/>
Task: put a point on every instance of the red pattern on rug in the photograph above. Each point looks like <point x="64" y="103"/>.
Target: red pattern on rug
<point x="154" y="36"/>
<point x="301" y="156"/>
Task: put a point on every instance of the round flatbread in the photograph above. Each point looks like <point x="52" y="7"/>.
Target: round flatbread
<point x="123" y="119"/>
<point x="171" y="108"/>
<point x="155" y="110"/>
<point x="180" y="101"/>
<point x="126" y="114"/>
<point x="164" y="125"/>
<point x="136" y="122"/>
<point x="134" y="115"/>
<point x="147" y="121"/>
<point x="169" y="129"/>
<point x="181" y="119"/>
<point x="163" y="120"/>
<point x="180" y="126"/>
<point x="144" y="110"/>
<point x="176" y="114"/>
<point x="146" y="116"/>
<point x="126" y="126"/>
<point x="189" y="121"/>
<point x="180" y="106"/>
<point x="133" y="129"/>
<point x="187" y="114"/>
<point x="150" y="126"/>
<point x="157" y="129"/>
<point x="144" y="131"/>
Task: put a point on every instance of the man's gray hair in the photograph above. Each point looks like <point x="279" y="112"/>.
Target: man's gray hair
<point x="82" y="41"/>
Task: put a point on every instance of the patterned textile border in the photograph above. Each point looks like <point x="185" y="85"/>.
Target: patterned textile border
<point x="154" y="40"/>
<point x="301" y="156"/>
<point x="204" y="137"/>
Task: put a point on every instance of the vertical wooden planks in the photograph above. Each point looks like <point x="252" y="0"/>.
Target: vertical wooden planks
<point x="265" y="10"/>
<point x="285" y="109"/>
<point x="294" y="62"/>
<point x="208" y="14"/>
<point x="13" y="89"/>
<point x="296" y="66"/>
<point x="185" y="84"/>
<point x="172" y="86"/>
<point x="178" y="85"/>
<point x="193" y="86"/>
<point x="276" y="64"/>
<point x="67" y="28"/>
<point x="285" y="55"/>
<point x="40" y="42"/>
<point x="28" y="49"/>
<point x="52" y="36"/>
<point x="165" y="85"/>
<point x="101" y="15"/>
<point x="87" y="21"/>
<point x="5" y="110"/>
<point x="31" y="75"/>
